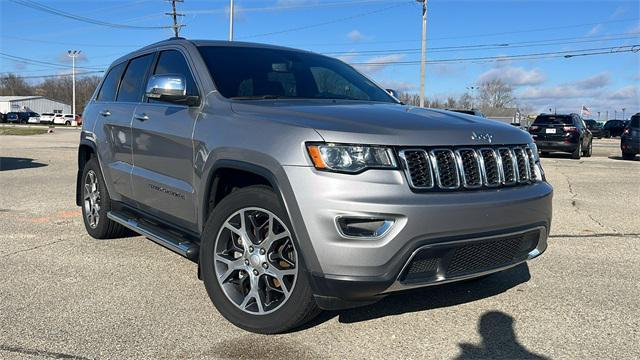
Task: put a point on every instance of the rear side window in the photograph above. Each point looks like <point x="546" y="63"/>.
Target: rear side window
<point x="131" y="87"/>
<point x="635" y="122"/>
<point x="172" y="62"/>
<point x="552" y="120"/>
<point x="110" y="84"/>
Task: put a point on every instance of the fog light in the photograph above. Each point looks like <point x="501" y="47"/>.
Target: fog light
<point x="367" y="228"/>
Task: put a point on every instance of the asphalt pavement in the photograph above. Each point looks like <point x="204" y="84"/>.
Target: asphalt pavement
<point x="65" y="295"/>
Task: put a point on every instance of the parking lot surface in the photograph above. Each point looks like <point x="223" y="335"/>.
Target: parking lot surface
<point x="66" y="295"/>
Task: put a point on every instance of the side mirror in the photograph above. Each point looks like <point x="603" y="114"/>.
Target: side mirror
<point x="170" y="88"/>
<point x="393" y="93"/>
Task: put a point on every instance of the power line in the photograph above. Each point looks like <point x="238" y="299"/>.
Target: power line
<point x="311" y="26"/>
<point x="481" y="46"/>
<point x="41" y="63"/>
<point x="564" y="54"/>
<point x="37" y="6"/>
<point x="57" y="75"/>
<point x="292" y="6"/>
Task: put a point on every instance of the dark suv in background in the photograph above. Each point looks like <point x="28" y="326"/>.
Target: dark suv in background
<point x="630" y="139"/>
<point x="565" y="133"/>
<point x="595" y="128"/>
<point x="613" y="128"/>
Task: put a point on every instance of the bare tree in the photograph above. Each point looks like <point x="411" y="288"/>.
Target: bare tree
<point x="465" y="101"/>
<point x="14" y="85"/>
<point x="495" y="94"/>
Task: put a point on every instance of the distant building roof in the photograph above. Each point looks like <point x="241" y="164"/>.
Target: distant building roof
<point x="19" y="98"/>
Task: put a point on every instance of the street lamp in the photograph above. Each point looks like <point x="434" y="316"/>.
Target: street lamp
<point x="73" y="54"/>
<point x="231" y="21"/>
<point x="473" y="90"/>
<point x="423" y="60"/>
<point x="623" y="110"/>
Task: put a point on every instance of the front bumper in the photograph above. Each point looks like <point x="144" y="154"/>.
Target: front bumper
<point x="363" y="268"/>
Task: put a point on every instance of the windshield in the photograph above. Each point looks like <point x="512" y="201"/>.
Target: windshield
<point x="259" y="73"/>
<point x="553" y="119"/>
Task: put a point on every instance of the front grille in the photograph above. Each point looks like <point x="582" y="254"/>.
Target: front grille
<point x="469" y="168"/>
<point x="484" y="256"/>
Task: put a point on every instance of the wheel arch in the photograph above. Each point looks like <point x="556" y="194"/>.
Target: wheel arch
<point x="86" y="151"/>
<point x="281" y="187"/>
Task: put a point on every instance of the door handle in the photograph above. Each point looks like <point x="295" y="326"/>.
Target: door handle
<point x="141" y="117"/>
<point x="105" y="113"/>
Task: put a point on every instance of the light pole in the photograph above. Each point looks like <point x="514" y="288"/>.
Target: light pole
<point x="231" y="21"/>
<point x="423" y="61"/>
<point x="73" y="54"/>
<point x="473" y="94"/>
<point x="615" y="114"/>
<point x="598" y="115"/>
<point x="623" y="111"/>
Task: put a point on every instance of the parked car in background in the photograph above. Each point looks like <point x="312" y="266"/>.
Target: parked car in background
<point x="33" y="117"/>
<point x="565" y="133"/>
<point x="613" y="128"/>
<point x="12" y="118"/>
<point x="595" y="128"/>
<point x="3" y="117"/>
<point x="47" y="118"/>
<point x="58" y="119"/>
<point x="630" y="139"/>
<point x="474" y="112"/>
<point x="69" y="119"/>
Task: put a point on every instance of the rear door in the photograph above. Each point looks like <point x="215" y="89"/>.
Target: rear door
<point x="163" y="149"/>
<point x="116" y="112"/>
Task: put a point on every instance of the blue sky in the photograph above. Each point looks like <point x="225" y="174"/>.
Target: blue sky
<point x="368" y="32"/>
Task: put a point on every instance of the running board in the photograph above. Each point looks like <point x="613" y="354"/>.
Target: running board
<point x="160" y="236"/>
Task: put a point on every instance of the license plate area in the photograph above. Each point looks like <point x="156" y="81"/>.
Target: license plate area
<point x="550" y="131"/>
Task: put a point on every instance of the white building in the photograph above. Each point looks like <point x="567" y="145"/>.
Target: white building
<point x="38" y="104"/>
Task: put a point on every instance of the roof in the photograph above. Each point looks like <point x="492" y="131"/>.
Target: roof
<point x="19" y="98"/>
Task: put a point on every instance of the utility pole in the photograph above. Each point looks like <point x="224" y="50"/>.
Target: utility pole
<point x="423" y="61"/>
<point x="176" y="27"/>
<point x="73" y="54"/>
<point x="231" y="21"/>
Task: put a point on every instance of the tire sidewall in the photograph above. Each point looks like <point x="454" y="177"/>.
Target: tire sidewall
<point x="297" y="306"/>
<point x="99" y="231"/>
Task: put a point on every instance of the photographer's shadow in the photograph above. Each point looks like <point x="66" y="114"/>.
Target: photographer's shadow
<point x="499" y="340"/>
<point x="434" y="297"/>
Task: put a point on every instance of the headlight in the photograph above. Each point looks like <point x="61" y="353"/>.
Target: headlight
<point x="539" y="172"/>
<point x="350" y="158"/>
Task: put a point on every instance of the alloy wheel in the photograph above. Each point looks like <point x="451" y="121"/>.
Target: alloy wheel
<point x="255" y="260"/>
<point x="91" y="199"/>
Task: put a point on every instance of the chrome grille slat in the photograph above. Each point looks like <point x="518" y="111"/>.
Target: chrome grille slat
<point x="468" y="168"/>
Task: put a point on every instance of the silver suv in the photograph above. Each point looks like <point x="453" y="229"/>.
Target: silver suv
<point x="298" y="184"/>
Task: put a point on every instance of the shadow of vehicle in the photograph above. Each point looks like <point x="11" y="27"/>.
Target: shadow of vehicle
<point x="499" y="340"/>
<point x="11" y="163"/>
<point x="432" y="297"/>
<point x="636" y="158"/>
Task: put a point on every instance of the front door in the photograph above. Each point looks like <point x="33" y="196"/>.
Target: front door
<point x="163" y="150"/>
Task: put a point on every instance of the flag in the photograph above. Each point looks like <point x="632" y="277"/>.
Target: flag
<point x="585" y="111"/>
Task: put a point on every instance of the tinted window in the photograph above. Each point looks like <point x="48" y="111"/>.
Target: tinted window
<point x="131" y="87"/>
<point x="172" y="62"/>
<point x="246" y="73"/>
<point x="635" y="122"/>
<point x="110" y="84"/>
<point x="553" y="119"/>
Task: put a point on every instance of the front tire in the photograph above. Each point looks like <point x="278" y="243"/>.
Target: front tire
<point x="251" y="265"/>
<point x="96" y="204"/>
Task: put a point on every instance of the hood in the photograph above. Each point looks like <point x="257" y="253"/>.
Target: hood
<point x="384" y="124"/>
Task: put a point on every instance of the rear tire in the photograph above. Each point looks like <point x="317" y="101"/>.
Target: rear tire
<point x="577" y="152"/>
<point x="96" y="204"/>
<point x="628" y="156"/>
<point x="231" y="276"/>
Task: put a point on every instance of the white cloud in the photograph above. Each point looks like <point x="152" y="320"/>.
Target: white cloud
<point x="376" y="64"/>
<point x="514" y="76"/>
<point x="629" y="92"/>
<point x="356" y="35"/>
<point x="593" y="82"/>
<point x="595" y="30"/>
<point x="401" y="86"/>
